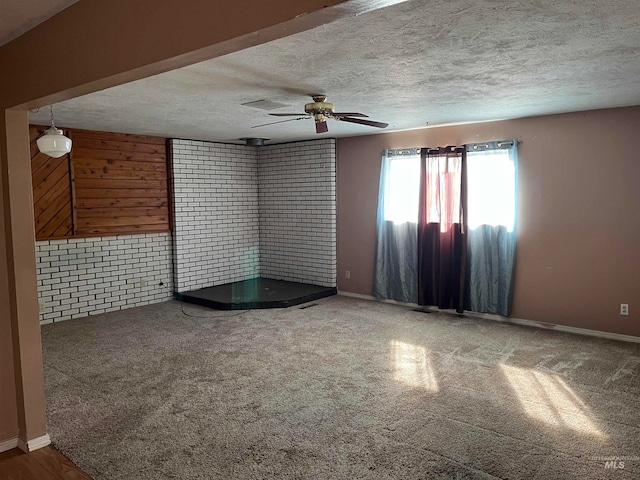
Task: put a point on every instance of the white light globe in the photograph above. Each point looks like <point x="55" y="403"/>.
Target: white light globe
<point x="54" y="143"/>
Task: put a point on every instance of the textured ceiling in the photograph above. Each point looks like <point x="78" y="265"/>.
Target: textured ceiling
<point x="420" y="61"/>
<point x="18" y="16"/>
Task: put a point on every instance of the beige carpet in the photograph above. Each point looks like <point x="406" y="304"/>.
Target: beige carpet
<point x="347" y="389"/>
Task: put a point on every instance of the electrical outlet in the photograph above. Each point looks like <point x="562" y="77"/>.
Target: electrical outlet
<point x="347" y="274"/>
<point x="624" y="309"/>
<point x="143" y="282"/>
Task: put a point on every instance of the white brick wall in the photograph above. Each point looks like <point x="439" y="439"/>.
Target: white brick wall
<point x="297" y="199"/>
<point x="215" y="213"/>
<point x="87" y="276"/>
<point x="239" y="212"/>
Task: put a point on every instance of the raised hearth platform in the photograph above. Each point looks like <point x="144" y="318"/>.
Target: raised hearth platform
<point x="256" y="293"/>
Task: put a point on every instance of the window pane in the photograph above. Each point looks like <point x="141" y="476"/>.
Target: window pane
<point x="491" y="189"/>
<point x="444" y="182"/>
<point x="402" y="189"/>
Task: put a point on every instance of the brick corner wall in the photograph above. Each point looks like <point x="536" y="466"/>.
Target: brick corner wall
<point x="297" y="202"/>
<point x="216" y="218"/>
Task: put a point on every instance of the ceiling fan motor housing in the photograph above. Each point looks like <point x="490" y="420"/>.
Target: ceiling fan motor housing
<point x="319" y="108"/>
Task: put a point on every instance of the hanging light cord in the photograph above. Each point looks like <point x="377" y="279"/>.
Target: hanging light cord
<point x="52" y="124"/>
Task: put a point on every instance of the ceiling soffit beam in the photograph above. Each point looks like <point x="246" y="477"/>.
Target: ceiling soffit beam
<point x="110" y="43"/>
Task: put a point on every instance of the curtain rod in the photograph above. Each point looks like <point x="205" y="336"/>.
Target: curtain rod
<point x="498" y="144"/>
<point x="402" y="151"/>
<point x="474" y="146"/>
<point x="448" y="148"/>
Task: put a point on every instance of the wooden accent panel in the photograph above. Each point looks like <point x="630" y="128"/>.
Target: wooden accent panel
<point x="111" y="183"/>
<point x="51" y="192"/>
<point x="95" y="203"/>
<point x="121" y="137"/>
<point x="120" y="183"/>
<point x="116" y="155"/>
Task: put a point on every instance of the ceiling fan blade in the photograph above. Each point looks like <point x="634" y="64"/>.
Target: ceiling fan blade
<point x="286" y="114"/>
<point x="322" y="127"/>
<point x="281" y="121"/>
<point x="361" y="121"/>
<point x="349" y="114"/>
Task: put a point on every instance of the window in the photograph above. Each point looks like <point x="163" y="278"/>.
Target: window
<point x="421" y="242"/>
<point x="443" y="193"/>
<point x="491" y="187"/>
<point x="401" y="188"/>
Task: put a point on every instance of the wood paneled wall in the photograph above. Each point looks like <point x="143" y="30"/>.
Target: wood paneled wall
<point x="51" y="192"/>
<point x="120" y="183"/>
<point x="116" y="184"/>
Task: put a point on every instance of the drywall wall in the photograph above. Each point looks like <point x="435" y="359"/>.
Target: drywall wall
<point x="578" y="247"/>
<point x="8" y="407"/>
<point x="19" y="279"/>
<point x="298" y="211"/>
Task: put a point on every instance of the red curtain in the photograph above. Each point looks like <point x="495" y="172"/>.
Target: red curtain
<point x="441" y="228"/>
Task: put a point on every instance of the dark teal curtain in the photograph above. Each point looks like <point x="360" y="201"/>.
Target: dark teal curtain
<point x="395" y="266"/>
<point x="491" y="239"/>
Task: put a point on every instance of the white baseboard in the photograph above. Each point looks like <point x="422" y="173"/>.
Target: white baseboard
<point x="517" y="321"/>
<point x="35" y="444"/>
<point x="8" y="444"/>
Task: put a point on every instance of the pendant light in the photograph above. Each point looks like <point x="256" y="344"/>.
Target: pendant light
<point x="53" y="142"/>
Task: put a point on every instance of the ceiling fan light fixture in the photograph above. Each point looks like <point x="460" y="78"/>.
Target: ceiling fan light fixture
<point x="53" y="142"/>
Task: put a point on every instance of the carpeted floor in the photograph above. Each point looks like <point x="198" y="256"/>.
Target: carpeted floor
<point x="346" y="389"/>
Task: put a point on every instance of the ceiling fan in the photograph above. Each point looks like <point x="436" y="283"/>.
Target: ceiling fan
<point x="321" y="110"/>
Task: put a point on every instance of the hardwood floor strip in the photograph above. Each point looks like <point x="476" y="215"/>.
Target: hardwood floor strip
<point x="58" y="465"/>
<point x="46" y="463"/>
